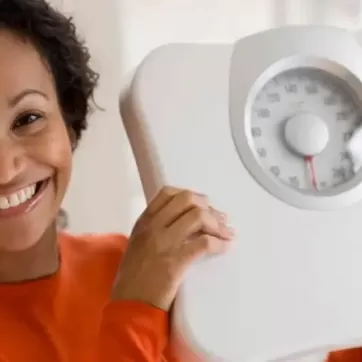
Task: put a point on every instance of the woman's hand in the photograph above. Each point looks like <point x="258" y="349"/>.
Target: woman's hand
<point x="177" y="228"/>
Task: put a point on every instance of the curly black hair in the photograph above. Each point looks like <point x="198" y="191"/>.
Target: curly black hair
<point x="55" y="37"/>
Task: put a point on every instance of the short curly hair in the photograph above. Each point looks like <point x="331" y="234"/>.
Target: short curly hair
<point x="54" y="35"/>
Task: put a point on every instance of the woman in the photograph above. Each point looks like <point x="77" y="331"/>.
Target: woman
<point x="67" y="298"/>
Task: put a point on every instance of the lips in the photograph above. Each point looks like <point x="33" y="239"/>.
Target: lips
<point x="17" y="198"/>
<point x="22" y="200"/>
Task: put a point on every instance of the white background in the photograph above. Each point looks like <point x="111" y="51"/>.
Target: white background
<point x="105" y="193"/>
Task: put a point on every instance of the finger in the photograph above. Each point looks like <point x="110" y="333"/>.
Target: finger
<point x="161" y="199"/>
<point x="183" y="202"/>
<point x="196" y="221"/>
<point x="203" y="245"/>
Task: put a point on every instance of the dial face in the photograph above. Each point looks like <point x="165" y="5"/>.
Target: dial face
<point x="305" y="97"/>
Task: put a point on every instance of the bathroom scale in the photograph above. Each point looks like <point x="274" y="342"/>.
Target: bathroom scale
<point x="262" y="126"/>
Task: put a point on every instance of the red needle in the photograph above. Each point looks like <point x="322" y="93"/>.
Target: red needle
<point x="310" y="163"/>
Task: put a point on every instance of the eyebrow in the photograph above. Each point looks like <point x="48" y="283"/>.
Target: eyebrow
<point x="15" y="100"/>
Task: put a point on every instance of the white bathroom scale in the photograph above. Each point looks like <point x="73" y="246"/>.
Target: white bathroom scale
<point x="262" y="127"/>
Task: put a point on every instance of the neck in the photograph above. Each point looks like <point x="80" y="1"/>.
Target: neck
<point x="39" y="261"/>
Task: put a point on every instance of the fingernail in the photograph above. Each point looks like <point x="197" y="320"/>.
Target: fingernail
<point x="223" y="217"/>
<point x="230" y="230"/>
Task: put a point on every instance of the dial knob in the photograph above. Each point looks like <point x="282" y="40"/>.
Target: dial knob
<point x="306" y="134"/>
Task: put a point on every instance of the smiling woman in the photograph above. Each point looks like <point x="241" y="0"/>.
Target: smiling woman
<point x="35" y="150"/>
<point x="35" y="161"/>
<point x="67" y="298"/>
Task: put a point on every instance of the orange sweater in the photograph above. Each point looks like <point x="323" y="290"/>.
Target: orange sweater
<point x="68" y="317"/>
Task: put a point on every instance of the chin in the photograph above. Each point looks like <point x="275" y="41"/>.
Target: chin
<point x="21" y="239"/>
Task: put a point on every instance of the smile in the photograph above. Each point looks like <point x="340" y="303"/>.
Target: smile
<point x="22" y="200"/>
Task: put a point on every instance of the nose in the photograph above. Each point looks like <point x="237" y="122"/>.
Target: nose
<point x="12" y="163"/>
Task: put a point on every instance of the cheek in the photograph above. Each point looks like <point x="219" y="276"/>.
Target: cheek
<point x="53" y="151"/>
<point x="59" y="151"/>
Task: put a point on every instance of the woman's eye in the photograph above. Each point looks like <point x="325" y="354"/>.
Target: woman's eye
<point x="26" y="120"/>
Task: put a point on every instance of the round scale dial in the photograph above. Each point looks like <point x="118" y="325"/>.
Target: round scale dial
<point x="301" y="123"/>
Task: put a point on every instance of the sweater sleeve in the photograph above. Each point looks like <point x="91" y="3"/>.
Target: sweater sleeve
<point x="133" y="331"/>
<point x="349" y="355"/>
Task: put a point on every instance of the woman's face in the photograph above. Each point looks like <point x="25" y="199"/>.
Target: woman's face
<point x="35" y="149"/>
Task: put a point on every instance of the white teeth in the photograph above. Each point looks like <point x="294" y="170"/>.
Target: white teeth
<point x="17" y="198"/>
<point x="4" y="203"/>
<point x="14" y="200"/>
<point x="28" y="192"/>
<point x="22" y="196"/>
